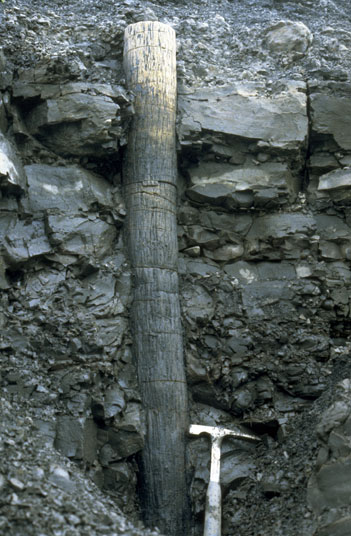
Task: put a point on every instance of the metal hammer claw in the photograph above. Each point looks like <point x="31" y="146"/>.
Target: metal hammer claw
<point x="213" y="510"/>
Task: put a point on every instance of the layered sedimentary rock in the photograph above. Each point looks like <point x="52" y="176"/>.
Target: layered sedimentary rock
<point x="264" y="241"/>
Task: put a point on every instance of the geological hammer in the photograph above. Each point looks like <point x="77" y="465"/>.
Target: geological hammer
<point x="213" y="510"/>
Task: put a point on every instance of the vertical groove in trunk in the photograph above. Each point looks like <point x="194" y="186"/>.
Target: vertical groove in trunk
<point x="150" y="175"/>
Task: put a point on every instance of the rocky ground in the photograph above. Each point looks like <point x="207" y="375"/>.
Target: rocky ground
<point x="264" y="135"/>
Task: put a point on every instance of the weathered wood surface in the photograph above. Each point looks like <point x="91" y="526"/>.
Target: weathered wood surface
<point x="150" y="174"/>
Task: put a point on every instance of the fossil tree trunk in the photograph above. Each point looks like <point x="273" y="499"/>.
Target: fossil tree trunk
<point x="150" y="174"/>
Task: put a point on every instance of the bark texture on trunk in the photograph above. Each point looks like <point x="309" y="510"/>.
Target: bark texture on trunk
<point x="150" y="174"/>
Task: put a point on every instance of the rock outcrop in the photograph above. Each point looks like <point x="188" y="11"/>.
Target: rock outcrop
<point x="264" y="154"/>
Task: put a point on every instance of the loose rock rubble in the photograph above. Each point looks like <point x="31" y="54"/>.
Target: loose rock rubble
<point x="42" y="492"/>
<point x="264" y="152"/>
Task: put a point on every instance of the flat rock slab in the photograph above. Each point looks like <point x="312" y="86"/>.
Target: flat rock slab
<point x="77" y="124"/>
<point x="332" y="228"/>
<point x="68" y="189"/>
<point x="331" y="114"/>
<point x="281" y="226"/>
<point x="245" y="111"/>
<point x="337" y="184"/>
<point x="270" y="184"/>
<point x="250" y="272"/>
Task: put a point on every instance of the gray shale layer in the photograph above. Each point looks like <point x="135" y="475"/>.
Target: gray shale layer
<point x="264" y="154"/>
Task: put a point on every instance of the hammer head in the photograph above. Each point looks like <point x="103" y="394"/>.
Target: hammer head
<point x="217" y="432"/>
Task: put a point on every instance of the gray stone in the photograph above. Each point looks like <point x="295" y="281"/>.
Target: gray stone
<point x="120" y="477"/>
<point x="69" y="189"/>
<point x="3" y="115"/>
<point x="339" y="270"/>
<point x="337" y="184"/>
<point x="224" y="184"/>
<point x="332" y="228"/>
<point x="12" y="175"/>
<point x="125" y="443"/>
<point x="323" y="162"/>
<point x="247" y="272"/>
<point x="346" y="160"/>
<point x="46" y="430"/>
<point x="331" y="115"/>
<point x="237" y="345"/>
<point x="114" y="401"/>
<point x="199" y="268"/>
<point x="4" y="283"/>
<point x="275" y="270"/>
<point x="81" y="235"/>
<point x="227" y="252"/>
<point x="101" y="295"/>
<point x="242" y="111"/>
<point x="235" y="468"/>
<point x="339" y="443"/>
<point x="341" y="527"/>
<point x="28" y="85"/>
<point x="212" y="193"/>
<point x="195" y="371"/>
<point x="244" y="272"/>
<point x="281" y="226"/>
<point x="133" y="419"/>
<point x="77" y="124"/>
<point x="188" y="215"/>
<point x="110" y="405"/>
<point x="76" y="438"/>
<point x="259" y="297"/>
<point x="329" y="250"/>
<point x="111" y="331"/>
<point x="25" y="240"/>
<point x="238" y="223"/>
<point x="60" y="477"/>
<point x="338" y="412"/>
<point x="194" y="251"/>
<point x="206" y="393"/>
<point x="289" y="37"/>
<point x="199" y="236"/>
<point x="198" y="303"/>
<point x="331" y="486"/>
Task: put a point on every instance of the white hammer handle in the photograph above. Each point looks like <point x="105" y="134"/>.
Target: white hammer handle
<point x="213" y="511"/>
<point x="213" y="515"/>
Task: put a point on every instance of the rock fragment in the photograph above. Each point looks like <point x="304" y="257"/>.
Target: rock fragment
<point x="240" y="111"/>
<point x="288" y="37"/>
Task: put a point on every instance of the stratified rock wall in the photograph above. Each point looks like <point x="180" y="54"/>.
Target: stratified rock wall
<point x="264" y="153"/>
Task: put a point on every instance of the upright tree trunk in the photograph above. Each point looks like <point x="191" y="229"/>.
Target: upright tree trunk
<point x="150" y="174"/>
